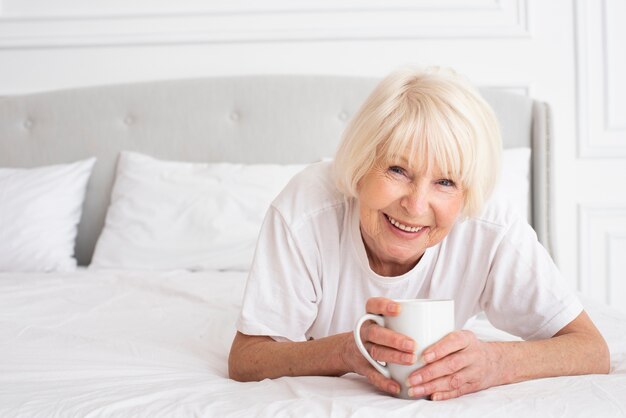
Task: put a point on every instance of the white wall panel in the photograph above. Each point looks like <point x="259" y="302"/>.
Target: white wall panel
<point x="112" y="24"/>
<point x="601" y="66"/>
<point x="600" y="173"/>
<point x="616" y="260"/>
<point x="615" y="85"/>
<point x="603" y="244"/>
<point x="121" y="7"/>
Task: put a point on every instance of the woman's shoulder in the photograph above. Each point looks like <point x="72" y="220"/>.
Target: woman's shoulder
<point x="495" y="220"/>
<point x="498" y="223"/>
<point x="310" y="192"/>
<point x="499" y="212"/>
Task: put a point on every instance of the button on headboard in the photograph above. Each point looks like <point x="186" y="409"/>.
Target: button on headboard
<point x="247" y="119"/>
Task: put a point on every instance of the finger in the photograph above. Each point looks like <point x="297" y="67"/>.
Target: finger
<point x="451" y="343"/>
<point x="382" y="306"/>
<point x="453" y="385"/>
<point x="446" y="366"/>
<point x="455" y="393"/>
<point x="389" y="355"/>
<point x="381" y="382"/>
<point x="382" y="336"/>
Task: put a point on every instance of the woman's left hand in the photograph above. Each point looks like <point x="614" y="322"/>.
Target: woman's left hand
<point x="457" y="364"/>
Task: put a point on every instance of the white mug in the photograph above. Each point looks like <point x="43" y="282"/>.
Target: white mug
<point x="426" y="321"/>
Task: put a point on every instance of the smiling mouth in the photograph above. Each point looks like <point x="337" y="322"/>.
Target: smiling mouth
<point x="403" y="227"/>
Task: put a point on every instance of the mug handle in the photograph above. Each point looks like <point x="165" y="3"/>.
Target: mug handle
<point x="357" y="338"/>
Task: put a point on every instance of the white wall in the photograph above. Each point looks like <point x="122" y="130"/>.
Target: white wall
<point x="568" y="53"/>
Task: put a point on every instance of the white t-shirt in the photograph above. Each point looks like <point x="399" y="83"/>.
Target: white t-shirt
<point x="310" y="277"/>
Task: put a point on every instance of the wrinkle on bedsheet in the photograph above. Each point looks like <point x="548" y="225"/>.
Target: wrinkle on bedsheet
<point x="156" y="344"/>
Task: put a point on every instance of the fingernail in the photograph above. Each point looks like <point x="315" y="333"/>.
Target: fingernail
<point x="393" y="388"/>
<point x="416" y="391"/>
<point x="393" y="307"/>
<point x="428" y="357"/>
<point x="408" y="345"/>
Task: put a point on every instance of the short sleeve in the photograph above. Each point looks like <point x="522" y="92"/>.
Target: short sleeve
<point x="280" y="299"/>
<point x="525" y="293"/>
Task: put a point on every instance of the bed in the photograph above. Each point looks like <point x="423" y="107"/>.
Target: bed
<point x="128" y="328"/>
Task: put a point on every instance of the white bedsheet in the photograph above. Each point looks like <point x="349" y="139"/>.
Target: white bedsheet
<point x="156" y="344"/>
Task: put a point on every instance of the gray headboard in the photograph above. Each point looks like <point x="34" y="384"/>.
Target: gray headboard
<point x="278" y="119"/>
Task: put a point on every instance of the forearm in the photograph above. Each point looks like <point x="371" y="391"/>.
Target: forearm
<point x="562" y="355"/>
<point x="258" y="358"/>
<point x="460" y="363"/>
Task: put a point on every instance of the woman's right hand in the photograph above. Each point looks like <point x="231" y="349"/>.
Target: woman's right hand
<point x="382" y="344"/>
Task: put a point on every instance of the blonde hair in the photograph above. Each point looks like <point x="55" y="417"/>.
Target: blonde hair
<point x="440" y="118"/>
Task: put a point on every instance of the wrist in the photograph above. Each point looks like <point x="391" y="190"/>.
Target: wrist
<point x="344" y="350"/>
<point x="504" y="369"/>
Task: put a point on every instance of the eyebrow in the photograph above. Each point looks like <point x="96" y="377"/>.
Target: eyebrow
<point x="398" y="159"/>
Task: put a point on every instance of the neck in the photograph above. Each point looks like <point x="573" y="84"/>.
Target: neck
<point x="388" y="268"/>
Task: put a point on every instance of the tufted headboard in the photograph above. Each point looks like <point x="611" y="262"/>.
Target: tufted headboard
<point x="271" y="119"/>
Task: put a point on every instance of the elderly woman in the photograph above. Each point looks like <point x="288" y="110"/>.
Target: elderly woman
<point x="403" y="212"/>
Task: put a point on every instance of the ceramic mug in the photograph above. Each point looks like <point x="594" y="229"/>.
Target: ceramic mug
<point x="426" y="321"/>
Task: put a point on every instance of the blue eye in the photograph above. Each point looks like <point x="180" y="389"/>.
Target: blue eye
<point x="446" y="183"/>
<point x="397" y="170"/>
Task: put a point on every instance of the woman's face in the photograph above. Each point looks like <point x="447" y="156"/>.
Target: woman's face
<point x="403" y="212"/>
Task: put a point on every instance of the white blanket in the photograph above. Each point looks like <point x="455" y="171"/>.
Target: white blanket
<point x="145" y="344"/>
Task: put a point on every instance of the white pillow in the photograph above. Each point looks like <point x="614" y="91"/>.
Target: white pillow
<point x="179" y="215"/>
<point x="514" y="182"/>
<point x="39" y="213"/>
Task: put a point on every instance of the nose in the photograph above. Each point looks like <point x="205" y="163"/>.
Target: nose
<point x="416" y="200"/>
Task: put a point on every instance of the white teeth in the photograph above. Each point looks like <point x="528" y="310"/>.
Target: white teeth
<point x="404" y="227"/>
